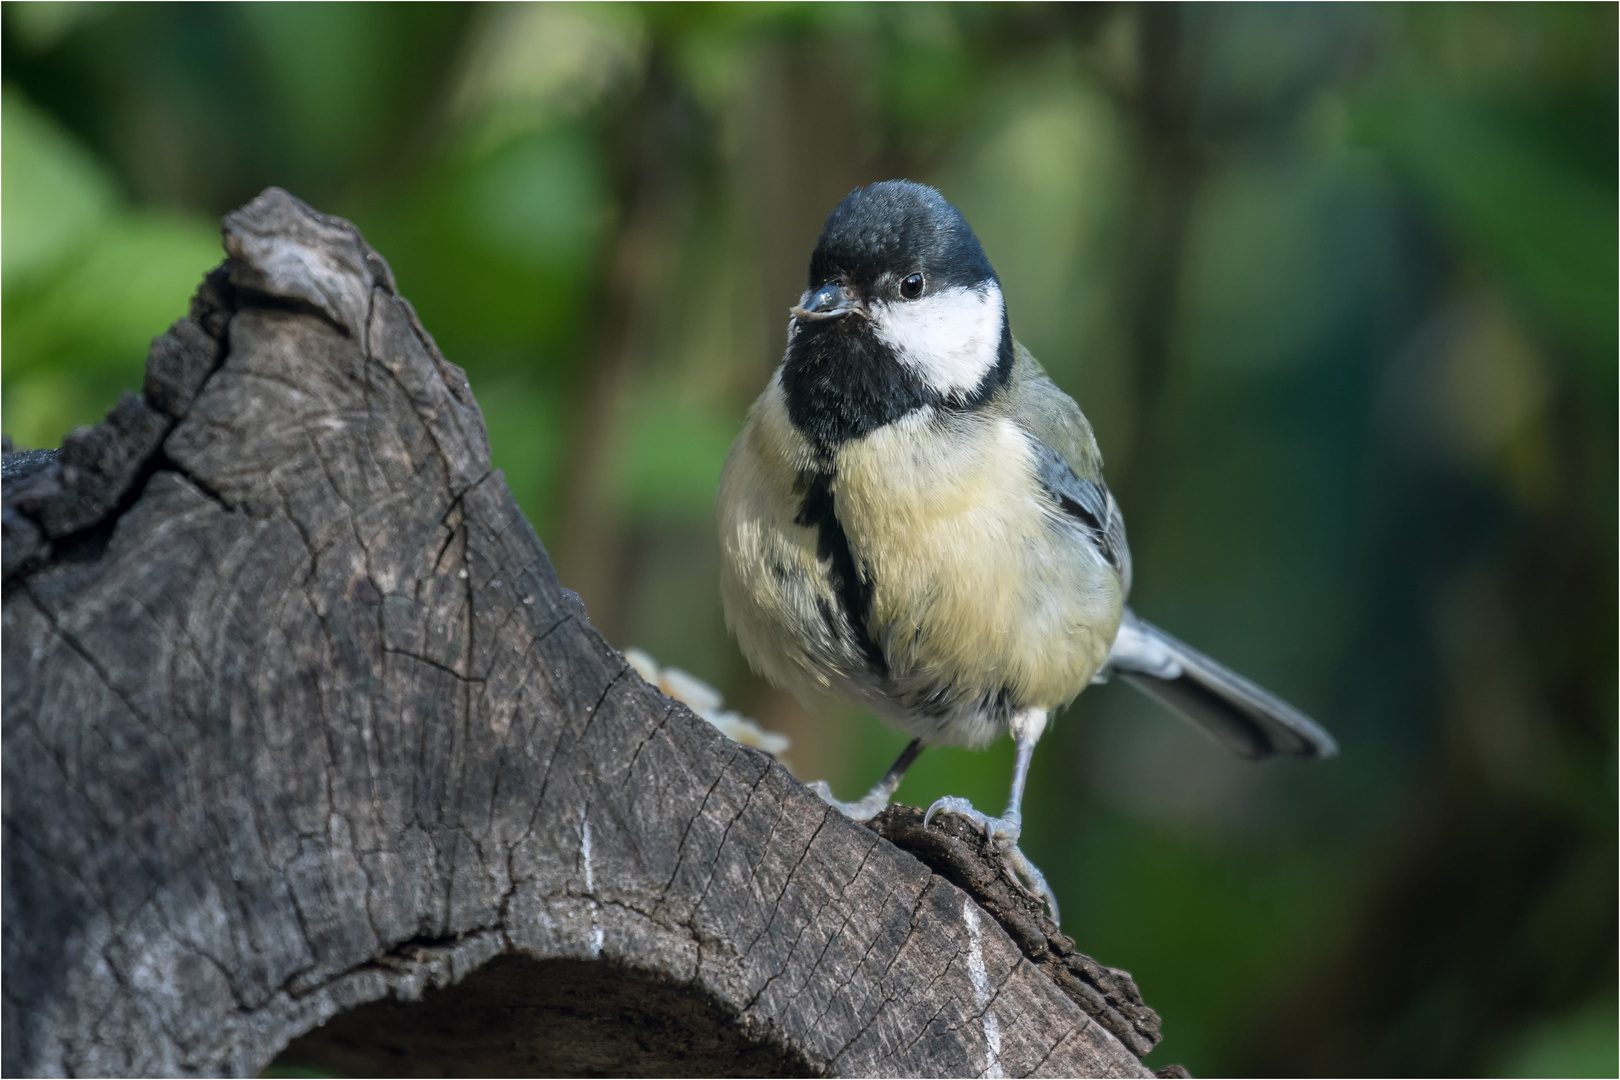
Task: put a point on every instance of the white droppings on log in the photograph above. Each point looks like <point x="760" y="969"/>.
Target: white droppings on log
<point x="981" y="990"/>
<point x="590" y="882"/>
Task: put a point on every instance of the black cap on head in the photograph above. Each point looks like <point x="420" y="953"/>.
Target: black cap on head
<point x="895" y="227"/>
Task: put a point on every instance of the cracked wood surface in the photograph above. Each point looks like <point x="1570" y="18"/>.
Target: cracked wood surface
<point x="300" y="727"/>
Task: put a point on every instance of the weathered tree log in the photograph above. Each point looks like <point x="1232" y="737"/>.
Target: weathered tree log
<point x="304" y="745"/>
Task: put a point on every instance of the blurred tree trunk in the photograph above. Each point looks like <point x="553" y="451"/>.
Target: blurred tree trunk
<point x="306" y="747"/>
<point x="1158" y="103"/>
<point x="652" y="144"/>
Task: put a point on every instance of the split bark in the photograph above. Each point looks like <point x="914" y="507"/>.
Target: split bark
<point x="307" y="752"/>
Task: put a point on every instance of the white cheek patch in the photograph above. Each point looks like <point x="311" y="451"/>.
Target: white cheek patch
<point x="950" y="339"/>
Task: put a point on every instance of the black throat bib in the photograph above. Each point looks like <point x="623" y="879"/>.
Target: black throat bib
<point x="840" y="382"/>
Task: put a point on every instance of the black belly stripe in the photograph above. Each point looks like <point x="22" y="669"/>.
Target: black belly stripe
<point x="818" y="511"/>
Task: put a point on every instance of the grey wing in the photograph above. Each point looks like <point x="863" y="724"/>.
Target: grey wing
<point x="1234" y="711"/>
<point x="1221" y="702"/>
<point x="1090" y="504"/>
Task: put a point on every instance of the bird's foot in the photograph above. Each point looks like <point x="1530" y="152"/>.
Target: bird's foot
<point x="1003" y="832"/>
<point x="863" y="810"/>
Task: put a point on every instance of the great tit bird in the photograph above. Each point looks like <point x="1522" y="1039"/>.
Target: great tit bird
<point x="914" y="519"/>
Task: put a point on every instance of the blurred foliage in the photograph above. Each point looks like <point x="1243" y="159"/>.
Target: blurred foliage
<point x="1337" y="286"/>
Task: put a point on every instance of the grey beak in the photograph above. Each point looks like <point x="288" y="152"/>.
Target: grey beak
<point x="829" y="302"/>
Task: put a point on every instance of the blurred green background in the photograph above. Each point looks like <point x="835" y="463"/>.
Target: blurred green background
<point x="1337" y="286"/>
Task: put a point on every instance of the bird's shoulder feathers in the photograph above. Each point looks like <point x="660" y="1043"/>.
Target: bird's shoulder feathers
<point x="1068" y="461"/>
<point x="1052" y="417"/>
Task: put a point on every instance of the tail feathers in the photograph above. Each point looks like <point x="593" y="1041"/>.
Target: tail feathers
<point x="1222" y="703"/>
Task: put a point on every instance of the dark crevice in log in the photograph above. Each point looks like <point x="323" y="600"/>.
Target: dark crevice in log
<point x="520" y="1017"/>
<point x="248" y="297"/>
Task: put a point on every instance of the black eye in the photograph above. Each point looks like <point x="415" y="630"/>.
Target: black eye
<point x="912" y="287"/>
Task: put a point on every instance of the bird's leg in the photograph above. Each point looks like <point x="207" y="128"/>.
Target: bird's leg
<point x="872" y="803"/>
<point x="1005" y="830"/>
<point x="1026" y="728"/>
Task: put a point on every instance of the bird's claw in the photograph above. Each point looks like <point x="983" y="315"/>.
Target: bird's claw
<point x="1004" y="833"/>
<point x="862" y="810"/>
<point x="1034" y="880"/>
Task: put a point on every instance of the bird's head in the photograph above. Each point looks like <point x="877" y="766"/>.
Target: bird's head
<point x="903" y="311"/>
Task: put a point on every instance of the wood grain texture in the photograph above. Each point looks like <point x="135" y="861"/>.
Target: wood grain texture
<point x="299" y="725"/>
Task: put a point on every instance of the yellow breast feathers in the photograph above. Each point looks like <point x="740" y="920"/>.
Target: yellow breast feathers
<point x="975" y="574"/>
